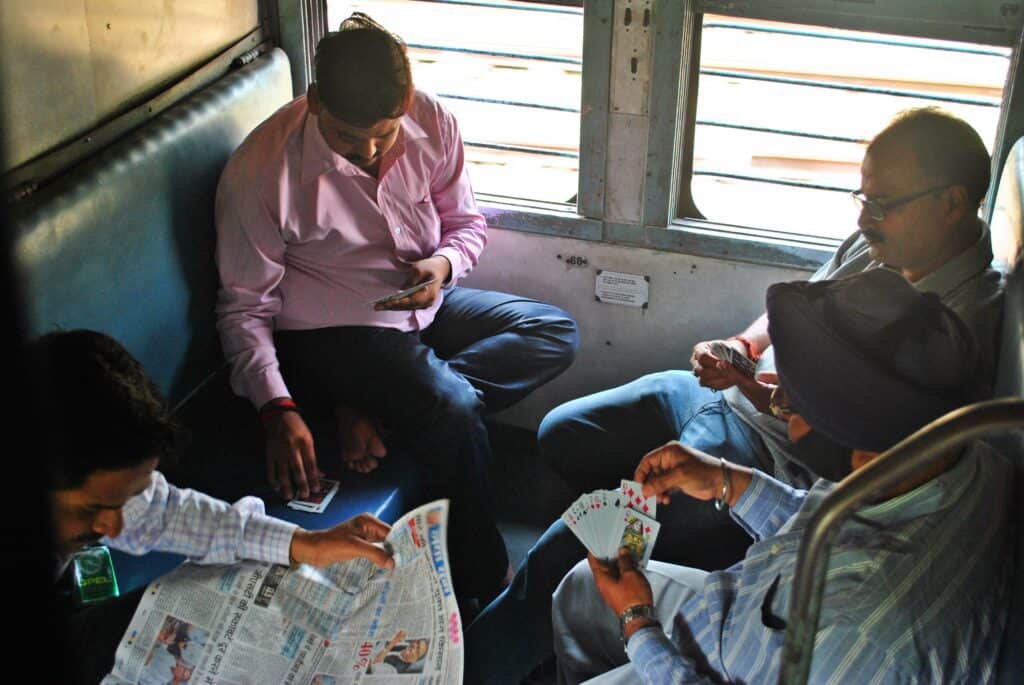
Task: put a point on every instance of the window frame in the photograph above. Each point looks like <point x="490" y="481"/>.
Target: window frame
<point x="669" y="219"/>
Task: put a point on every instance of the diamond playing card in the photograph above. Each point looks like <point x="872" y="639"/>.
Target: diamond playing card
<point x="605" y="520"/>
<point x="638" y="536"/>
<point x="634" y="495"/>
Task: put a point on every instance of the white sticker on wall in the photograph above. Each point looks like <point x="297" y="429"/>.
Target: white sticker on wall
<point x="614" y="287"/>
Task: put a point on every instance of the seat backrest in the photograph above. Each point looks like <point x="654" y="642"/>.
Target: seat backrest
<point x="1010" y="381"/>
<point x="124" y="242"/>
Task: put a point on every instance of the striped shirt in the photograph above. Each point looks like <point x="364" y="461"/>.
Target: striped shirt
<point x="205" y="529"/>
<point x="916" y="588"/>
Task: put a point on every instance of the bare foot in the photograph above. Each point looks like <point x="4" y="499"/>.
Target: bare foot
<point x="361" y="444"/>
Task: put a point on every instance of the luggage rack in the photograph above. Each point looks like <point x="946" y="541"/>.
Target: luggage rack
<point x="895" y="465"/>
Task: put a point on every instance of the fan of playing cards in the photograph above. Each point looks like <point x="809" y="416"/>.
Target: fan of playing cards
<point x="605" y="520"/>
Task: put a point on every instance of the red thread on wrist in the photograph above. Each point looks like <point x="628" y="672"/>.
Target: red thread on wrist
<point x="269" y="410"/>
<point x="752" y="350"/>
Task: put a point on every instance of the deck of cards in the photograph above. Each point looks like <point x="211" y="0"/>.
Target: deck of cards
<point x="605" y="520"/>
<point x="741" y="361"/>
<point x="316" y="503"/>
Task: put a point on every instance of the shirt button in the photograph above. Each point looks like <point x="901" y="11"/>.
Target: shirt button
<point x="774" y="549"/>
<point x="398" y="229"/>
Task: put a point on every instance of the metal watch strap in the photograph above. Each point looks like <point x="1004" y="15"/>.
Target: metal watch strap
<point x="634" y="612"/>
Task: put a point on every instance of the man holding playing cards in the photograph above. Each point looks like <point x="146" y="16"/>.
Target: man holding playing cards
<point x="344" y="197"/>
<point x="922" y="180"/>
<point x="916" y="580"/>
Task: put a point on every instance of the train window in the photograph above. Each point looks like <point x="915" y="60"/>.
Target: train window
<point x="515" y="91"/>
<point x="784" y="111"/>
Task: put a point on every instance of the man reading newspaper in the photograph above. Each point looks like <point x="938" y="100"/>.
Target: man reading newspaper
<point x="113" y="429"/>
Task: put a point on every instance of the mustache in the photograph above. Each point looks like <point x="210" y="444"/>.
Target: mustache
<point x="358" y="159"/>
<point x="872" y="236"/>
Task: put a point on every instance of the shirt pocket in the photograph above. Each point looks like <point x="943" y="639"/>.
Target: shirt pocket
<point x="425" y="222"/>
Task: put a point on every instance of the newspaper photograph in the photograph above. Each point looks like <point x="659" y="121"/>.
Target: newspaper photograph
<point x="253" y="623"/>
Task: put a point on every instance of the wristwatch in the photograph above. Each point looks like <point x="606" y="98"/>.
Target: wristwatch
<point x="634" y="612"/>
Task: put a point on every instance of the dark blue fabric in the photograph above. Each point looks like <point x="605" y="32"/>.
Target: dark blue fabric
<point x="430" y="391"/>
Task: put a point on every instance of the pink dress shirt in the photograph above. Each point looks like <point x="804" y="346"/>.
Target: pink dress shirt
<point x="305" y="238"/>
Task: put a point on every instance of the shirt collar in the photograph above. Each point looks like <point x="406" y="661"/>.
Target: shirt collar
<point x="317" y="156"/>
<point x="939" y="493"/>
<point x="960" y="268"/>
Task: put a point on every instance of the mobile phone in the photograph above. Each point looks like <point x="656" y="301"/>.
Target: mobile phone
<point x="401" y="293"/>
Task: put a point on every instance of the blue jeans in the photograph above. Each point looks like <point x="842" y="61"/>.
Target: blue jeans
<point x="594" y="442"/>
<point x="429" y="391"/>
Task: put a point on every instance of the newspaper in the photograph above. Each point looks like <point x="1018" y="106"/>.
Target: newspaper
<point x="352" y="622"/>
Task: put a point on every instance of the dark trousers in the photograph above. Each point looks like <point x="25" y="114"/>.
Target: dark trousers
<point x="430" y="391"/>
<point x="93" y="634"/>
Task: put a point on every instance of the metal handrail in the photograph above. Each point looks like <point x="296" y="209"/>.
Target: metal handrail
<point x="817" y="83"/>
<point x="896" y="465"/>
<point x="510" y="6"/>
<point x="827" y="35"/>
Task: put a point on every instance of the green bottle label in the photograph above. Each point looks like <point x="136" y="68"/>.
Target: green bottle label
<point x="94" y="575"/>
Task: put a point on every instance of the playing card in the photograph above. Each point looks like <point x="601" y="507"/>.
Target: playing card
<point x="634" y="495"/>
<point x="575" y="516"/>
<point x="638" y="535"/>
<point x="726" y="353"/>
<point x="316" y="503"/>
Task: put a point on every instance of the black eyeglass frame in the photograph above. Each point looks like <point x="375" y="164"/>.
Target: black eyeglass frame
<point x="878" y="210"/>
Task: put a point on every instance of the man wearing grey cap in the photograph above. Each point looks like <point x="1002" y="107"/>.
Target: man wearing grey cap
<point x="916" y="584"/>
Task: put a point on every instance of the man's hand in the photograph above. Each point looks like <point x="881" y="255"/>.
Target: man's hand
<point x="437" y="268"/>
<point x="711" y="371"/>
<point x="674" y="467"/>
<point x="291" y="460"/>
<point x="345" y="541"/>
<point x="758" y="389"/>
<point x="622" y="586"/>
<point x="361" y="445"/>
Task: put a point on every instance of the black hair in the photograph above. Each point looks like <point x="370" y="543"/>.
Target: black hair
<point x="362" y="72"/>
<point x="945" y="146"/>
<point x="105" y="411"/>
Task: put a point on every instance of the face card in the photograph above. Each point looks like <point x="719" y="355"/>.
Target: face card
<point x="317" y="503"/>
<point x="633" y="492"/>
<point x="638" y="535"/>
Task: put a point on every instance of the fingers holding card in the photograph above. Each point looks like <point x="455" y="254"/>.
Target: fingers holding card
<point x="605" y="520"/>
<point x="316" y="503"/>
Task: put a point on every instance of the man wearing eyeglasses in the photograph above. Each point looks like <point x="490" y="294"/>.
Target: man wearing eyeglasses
<point x="923" y="180"/>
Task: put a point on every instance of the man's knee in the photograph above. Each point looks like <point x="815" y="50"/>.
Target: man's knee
<point x="556" y="432"/>
<point x="561" y="331"/>
<point x="577" y="584"/>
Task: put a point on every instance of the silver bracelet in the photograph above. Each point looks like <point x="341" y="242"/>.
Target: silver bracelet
<point x="722" y="501"/>
<point x="634" y="612"/>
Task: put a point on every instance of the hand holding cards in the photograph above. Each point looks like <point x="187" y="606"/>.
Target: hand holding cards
<point x="739" y="360"/>
<point x="316" y="503"/>
<point x="605" y="520"/>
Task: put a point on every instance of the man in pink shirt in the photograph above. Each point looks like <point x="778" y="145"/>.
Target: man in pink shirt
<point x="351" y="192"/>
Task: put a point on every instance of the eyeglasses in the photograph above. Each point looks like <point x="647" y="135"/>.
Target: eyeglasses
<point x="878" y="210"/>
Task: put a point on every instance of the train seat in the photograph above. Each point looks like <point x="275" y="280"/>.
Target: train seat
<point x="124" y="243"/>
<point x="1010" y="382"/>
